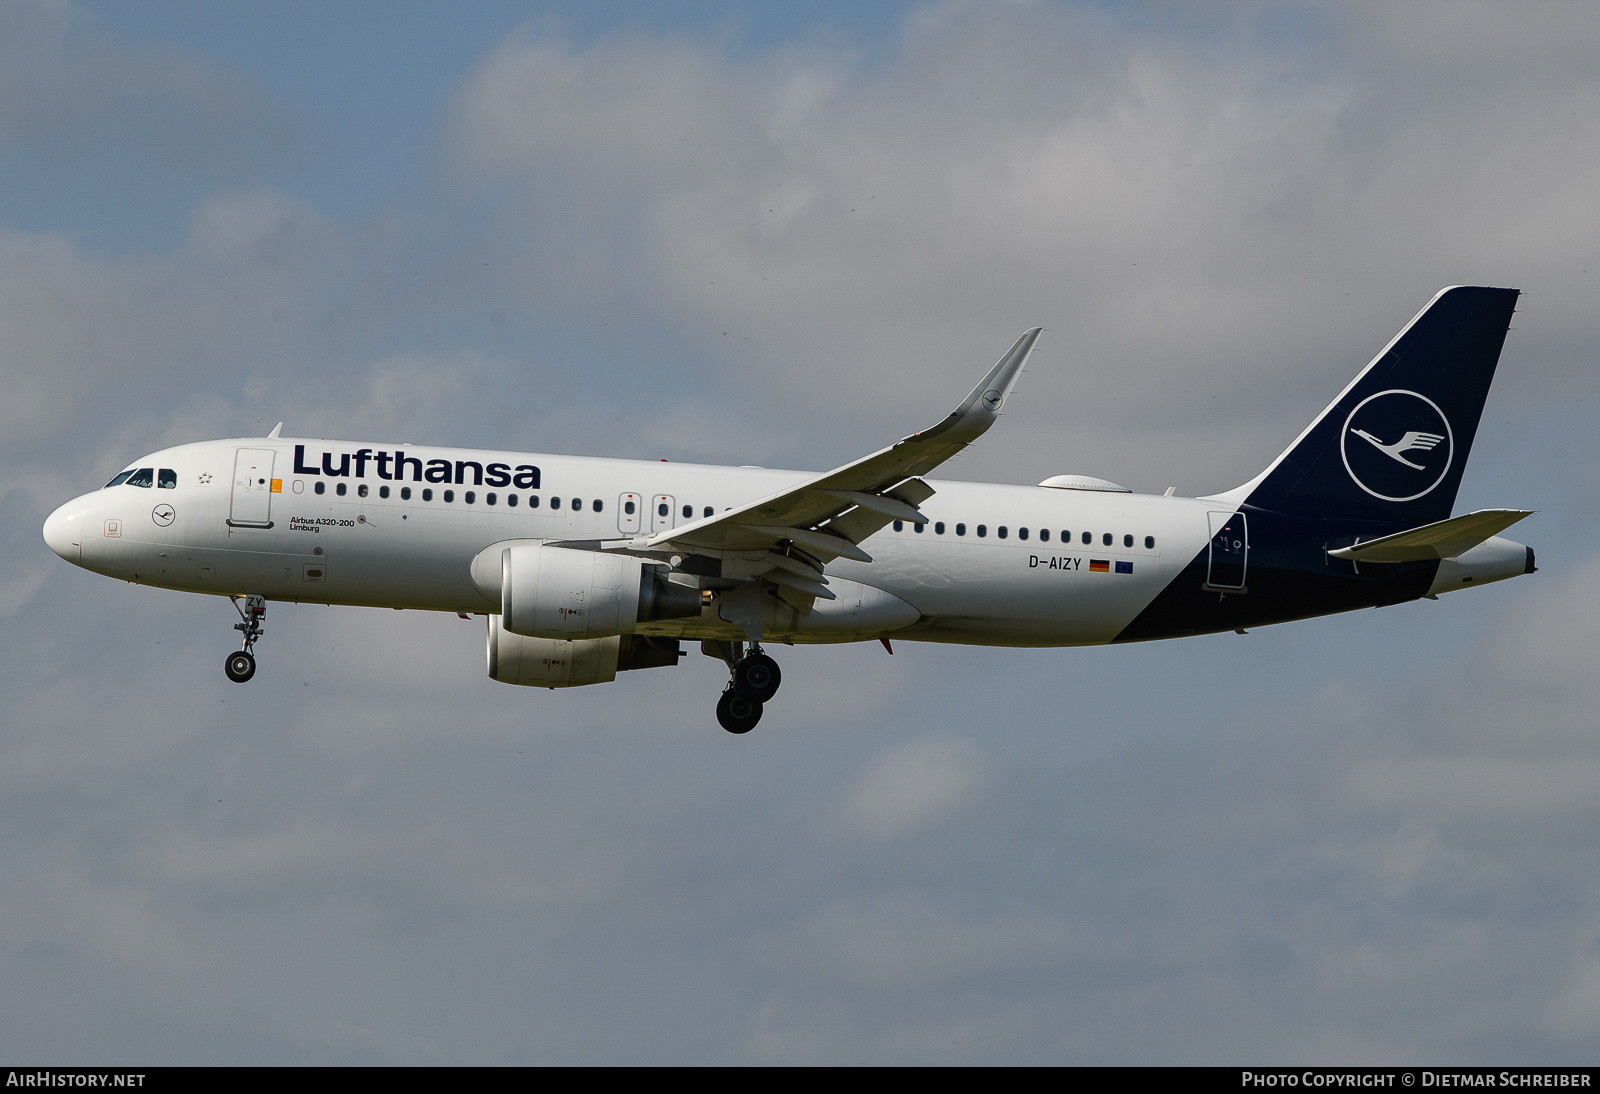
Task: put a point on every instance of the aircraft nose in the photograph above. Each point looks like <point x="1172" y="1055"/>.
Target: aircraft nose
<point x="63" y="531"/>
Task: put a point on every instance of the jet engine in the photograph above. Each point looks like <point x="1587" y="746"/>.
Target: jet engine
<point x="562" y="663"/>
<point x="561" y="593"/>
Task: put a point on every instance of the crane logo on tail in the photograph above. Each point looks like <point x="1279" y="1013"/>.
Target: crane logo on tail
<point x="1403" y="448"/>
<point x="1396" y="451"/>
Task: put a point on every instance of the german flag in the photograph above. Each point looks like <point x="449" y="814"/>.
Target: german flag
<point x="1099" y="566"/>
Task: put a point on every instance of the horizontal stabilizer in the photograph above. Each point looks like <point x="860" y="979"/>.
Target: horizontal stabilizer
<point x="1446" y="539"/>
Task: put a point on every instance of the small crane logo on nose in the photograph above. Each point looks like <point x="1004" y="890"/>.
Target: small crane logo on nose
<point x="163" y="514"/>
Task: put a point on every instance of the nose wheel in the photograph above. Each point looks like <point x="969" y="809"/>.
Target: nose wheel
<point x="241" y="664"/>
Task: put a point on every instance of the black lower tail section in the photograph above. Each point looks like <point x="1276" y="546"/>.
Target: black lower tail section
<point x="1393" y="445"/>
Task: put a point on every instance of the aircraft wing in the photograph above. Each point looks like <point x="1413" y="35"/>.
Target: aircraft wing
<point x="826" y="517"/>
<point x="1443" y="539"/>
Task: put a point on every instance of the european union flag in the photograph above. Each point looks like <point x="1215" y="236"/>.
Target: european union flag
<point x="1124" y="567"/>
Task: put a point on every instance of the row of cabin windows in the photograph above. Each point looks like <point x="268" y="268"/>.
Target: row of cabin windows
<point x="165" y="479"/>
<point x="469" y="496"/>
<point x="1106" y="538"/>
<point x="491" y="498"/>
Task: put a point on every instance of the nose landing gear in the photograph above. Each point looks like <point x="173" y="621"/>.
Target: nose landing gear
<point x="755" y="680"/>
<point x="241" y="664"/>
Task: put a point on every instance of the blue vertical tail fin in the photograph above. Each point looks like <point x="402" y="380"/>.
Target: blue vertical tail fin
<point x="1393" y="445"/>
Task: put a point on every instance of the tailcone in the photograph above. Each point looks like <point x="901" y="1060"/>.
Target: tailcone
<point x="1495" y="559"/>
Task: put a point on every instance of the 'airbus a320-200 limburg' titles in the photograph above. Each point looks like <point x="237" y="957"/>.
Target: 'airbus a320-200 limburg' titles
<point x="589" y="567"/>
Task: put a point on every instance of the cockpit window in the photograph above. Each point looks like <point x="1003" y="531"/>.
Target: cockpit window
<point x="145" y="476"/>
<point x="119" y="480"/>
<point x="167" y="479"/>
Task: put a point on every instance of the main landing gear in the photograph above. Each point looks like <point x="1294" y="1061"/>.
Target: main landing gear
<point x="241" y="664"/>
<point x="755" y="680"/>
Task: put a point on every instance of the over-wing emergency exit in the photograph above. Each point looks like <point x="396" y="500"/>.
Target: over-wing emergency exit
<point x="587" y="567"/>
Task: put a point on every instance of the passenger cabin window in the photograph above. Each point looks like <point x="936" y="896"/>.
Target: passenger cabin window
<point x="938" y="528"/>
<point x="555" y="503"/>
<point x="983" y="530"/>
<point x="1022" y="533"/>
<point x="598" y="505"/>
<point x="709" y="511"/>
<point x="340" y="489"/>
<point x="383" y="491"/>
<point x="320" y="487"/>
<point x="1088" y="538"/>
<point x="1149" y="543"/>
<point x="917" y="528"/>
<point x="511" y="500"/>
<point x="961" y="529"/>
<point x="166" y="479"/>
<point x="490" y="499"/>
<point x="427" y="493"/>
<point x="627" y="507"/>
<point x="1105" y="539"/>
<point x="533" y="501"/>
<point x="362" y="490"/>
<point x="119" y="480"/>
<point x="449" y="495"/>
<point x="1044" y="535"/>
<point x="405" y="493"/>
<point x="145" y="476"/>
<point x="899" y="526"/>
<point x="688" y="510"/>
<point x="1002" y="531"/>
<point x="662" y="510"/>
<point x="1127" y="541"/>
<point x="469" y="497"/>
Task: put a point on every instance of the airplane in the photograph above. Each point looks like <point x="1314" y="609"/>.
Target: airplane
<point x="586" y="567"/>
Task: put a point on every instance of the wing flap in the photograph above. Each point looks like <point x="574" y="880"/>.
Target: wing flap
<point x="1443" y="539"/>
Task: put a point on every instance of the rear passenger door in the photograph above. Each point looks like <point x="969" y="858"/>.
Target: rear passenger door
<point x="1230" y="551"/>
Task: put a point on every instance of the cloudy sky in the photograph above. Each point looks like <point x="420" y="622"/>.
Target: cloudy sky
<point x="785" y="235"/>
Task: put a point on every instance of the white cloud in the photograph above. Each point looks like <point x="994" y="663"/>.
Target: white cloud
<point x="69" y="85"/>
<point x="915" y="784"/>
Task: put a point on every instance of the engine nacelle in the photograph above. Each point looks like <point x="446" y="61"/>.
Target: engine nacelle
<point x="549" y="662"/>
<point x="560" y="663"/>
<point x="558" y="592"/>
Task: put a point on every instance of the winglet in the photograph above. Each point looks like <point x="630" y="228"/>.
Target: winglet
<point x="275" y="431"/>
<point x="972" y="418"/>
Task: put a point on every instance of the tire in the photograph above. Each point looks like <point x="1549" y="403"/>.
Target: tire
<point x="757" y="678"/>
<point x="240" y="666"/>
<point x="736" y="713"/>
